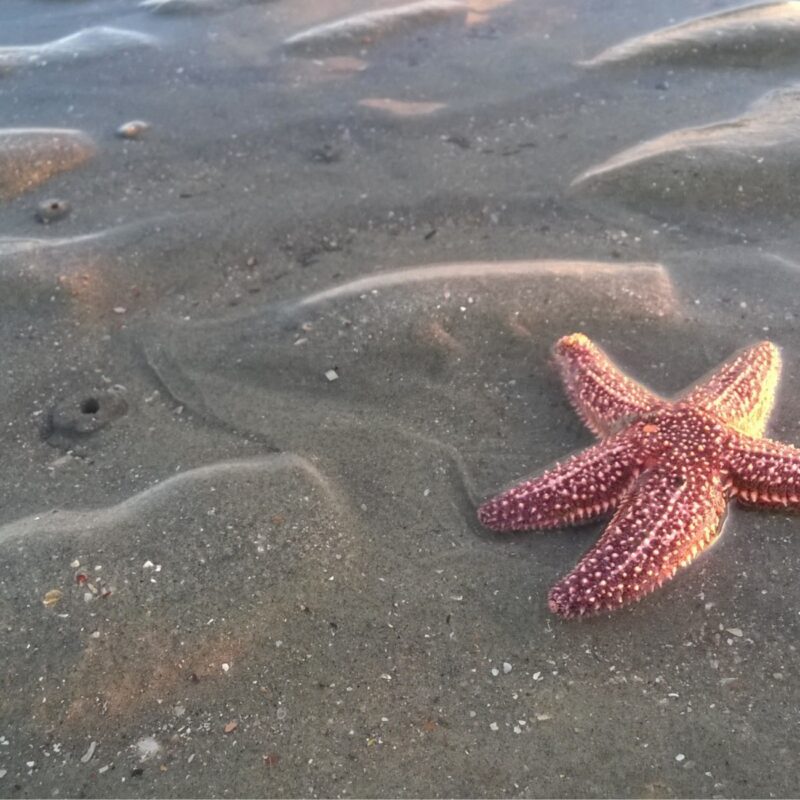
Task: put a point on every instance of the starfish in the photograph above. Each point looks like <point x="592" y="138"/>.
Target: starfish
<point x="665" y="470"/>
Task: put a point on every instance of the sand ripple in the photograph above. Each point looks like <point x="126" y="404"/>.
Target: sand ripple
<point x="82" y="44"/>
<point x="360" y="29"/>
<point x="748" y="35"/>
<point x="746" y="162"/>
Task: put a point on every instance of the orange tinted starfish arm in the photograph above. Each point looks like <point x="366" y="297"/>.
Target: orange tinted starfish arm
<point x="661" y="525"/>
<point x="762" y="472"/>
<point x="586" y="486"/>
<point x="742" y="391"/>
<point x="598" y="390"/>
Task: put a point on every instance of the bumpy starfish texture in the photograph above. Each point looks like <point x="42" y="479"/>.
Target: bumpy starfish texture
<point x="665" y="469"/>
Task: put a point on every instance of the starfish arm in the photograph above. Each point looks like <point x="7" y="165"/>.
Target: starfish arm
<point x="764" y="473"/>
<point x="659" y="526"/>
<point x="742" y="391"/>
<point x="586" y="486"/>
<point x="598" y="390"/>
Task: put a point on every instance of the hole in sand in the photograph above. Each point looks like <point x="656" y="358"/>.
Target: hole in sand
<point x="90" y="405"/>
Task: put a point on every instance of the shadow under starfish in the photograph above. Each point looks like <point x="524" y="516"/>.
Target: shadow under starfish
<point x="666" y="469"/>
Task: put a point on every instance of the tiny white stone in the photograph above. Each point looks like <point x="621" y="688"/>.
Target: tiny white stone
<point x="506" y="667"/>
<point x="226" y="667"/>
<point x="680" y="757"/>
<point x="735" y="632"/>
<point x="75" y="564"/>
<point x="147" y="747"/>
<point x="332" y="375"/>
<point x="148" y="564"/>
<point x="495" y="671"/>
<point x="494" y="726"/>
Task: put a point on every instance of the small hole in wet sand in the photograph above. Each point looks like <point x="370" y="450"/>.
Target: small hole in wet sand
<point x="90" y="405"/>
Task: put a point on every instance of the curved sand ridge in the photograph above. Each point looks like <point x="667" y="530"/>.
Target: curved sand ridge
<point x="361" y="29"/>
<point x="195" y="6"/>
<point x="751" y="160"/>
<point x="88" y="42"/>
<point x="165" y="492"/>
<point x="743" y="35"/>
<point x="649" y="285"/>
<point x="93" y="278"/>
<point x="30" y="156"/>
<point x="14" y="245"/>
<point x="391" y="352"/>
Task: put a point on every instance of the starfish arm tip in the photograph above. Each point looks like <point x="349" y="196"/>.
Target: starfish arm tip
<point x="573" y="605"/>
<point x="558" y="603"/>
<point x="489" y="517"/>
<point x="505" y="513"/>
<point x="572" y="341"/>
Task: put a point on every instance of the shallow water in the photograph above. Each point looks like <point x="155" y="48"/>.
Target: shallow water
<point x="287" y="337"/>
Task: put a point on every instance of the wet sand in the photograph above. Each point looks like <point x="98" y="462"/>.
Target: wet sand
<point x="296" y="326"/>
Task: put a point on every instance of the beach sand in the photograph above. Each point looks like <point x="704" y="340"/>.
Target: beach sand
<point x="293" y="330"/>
